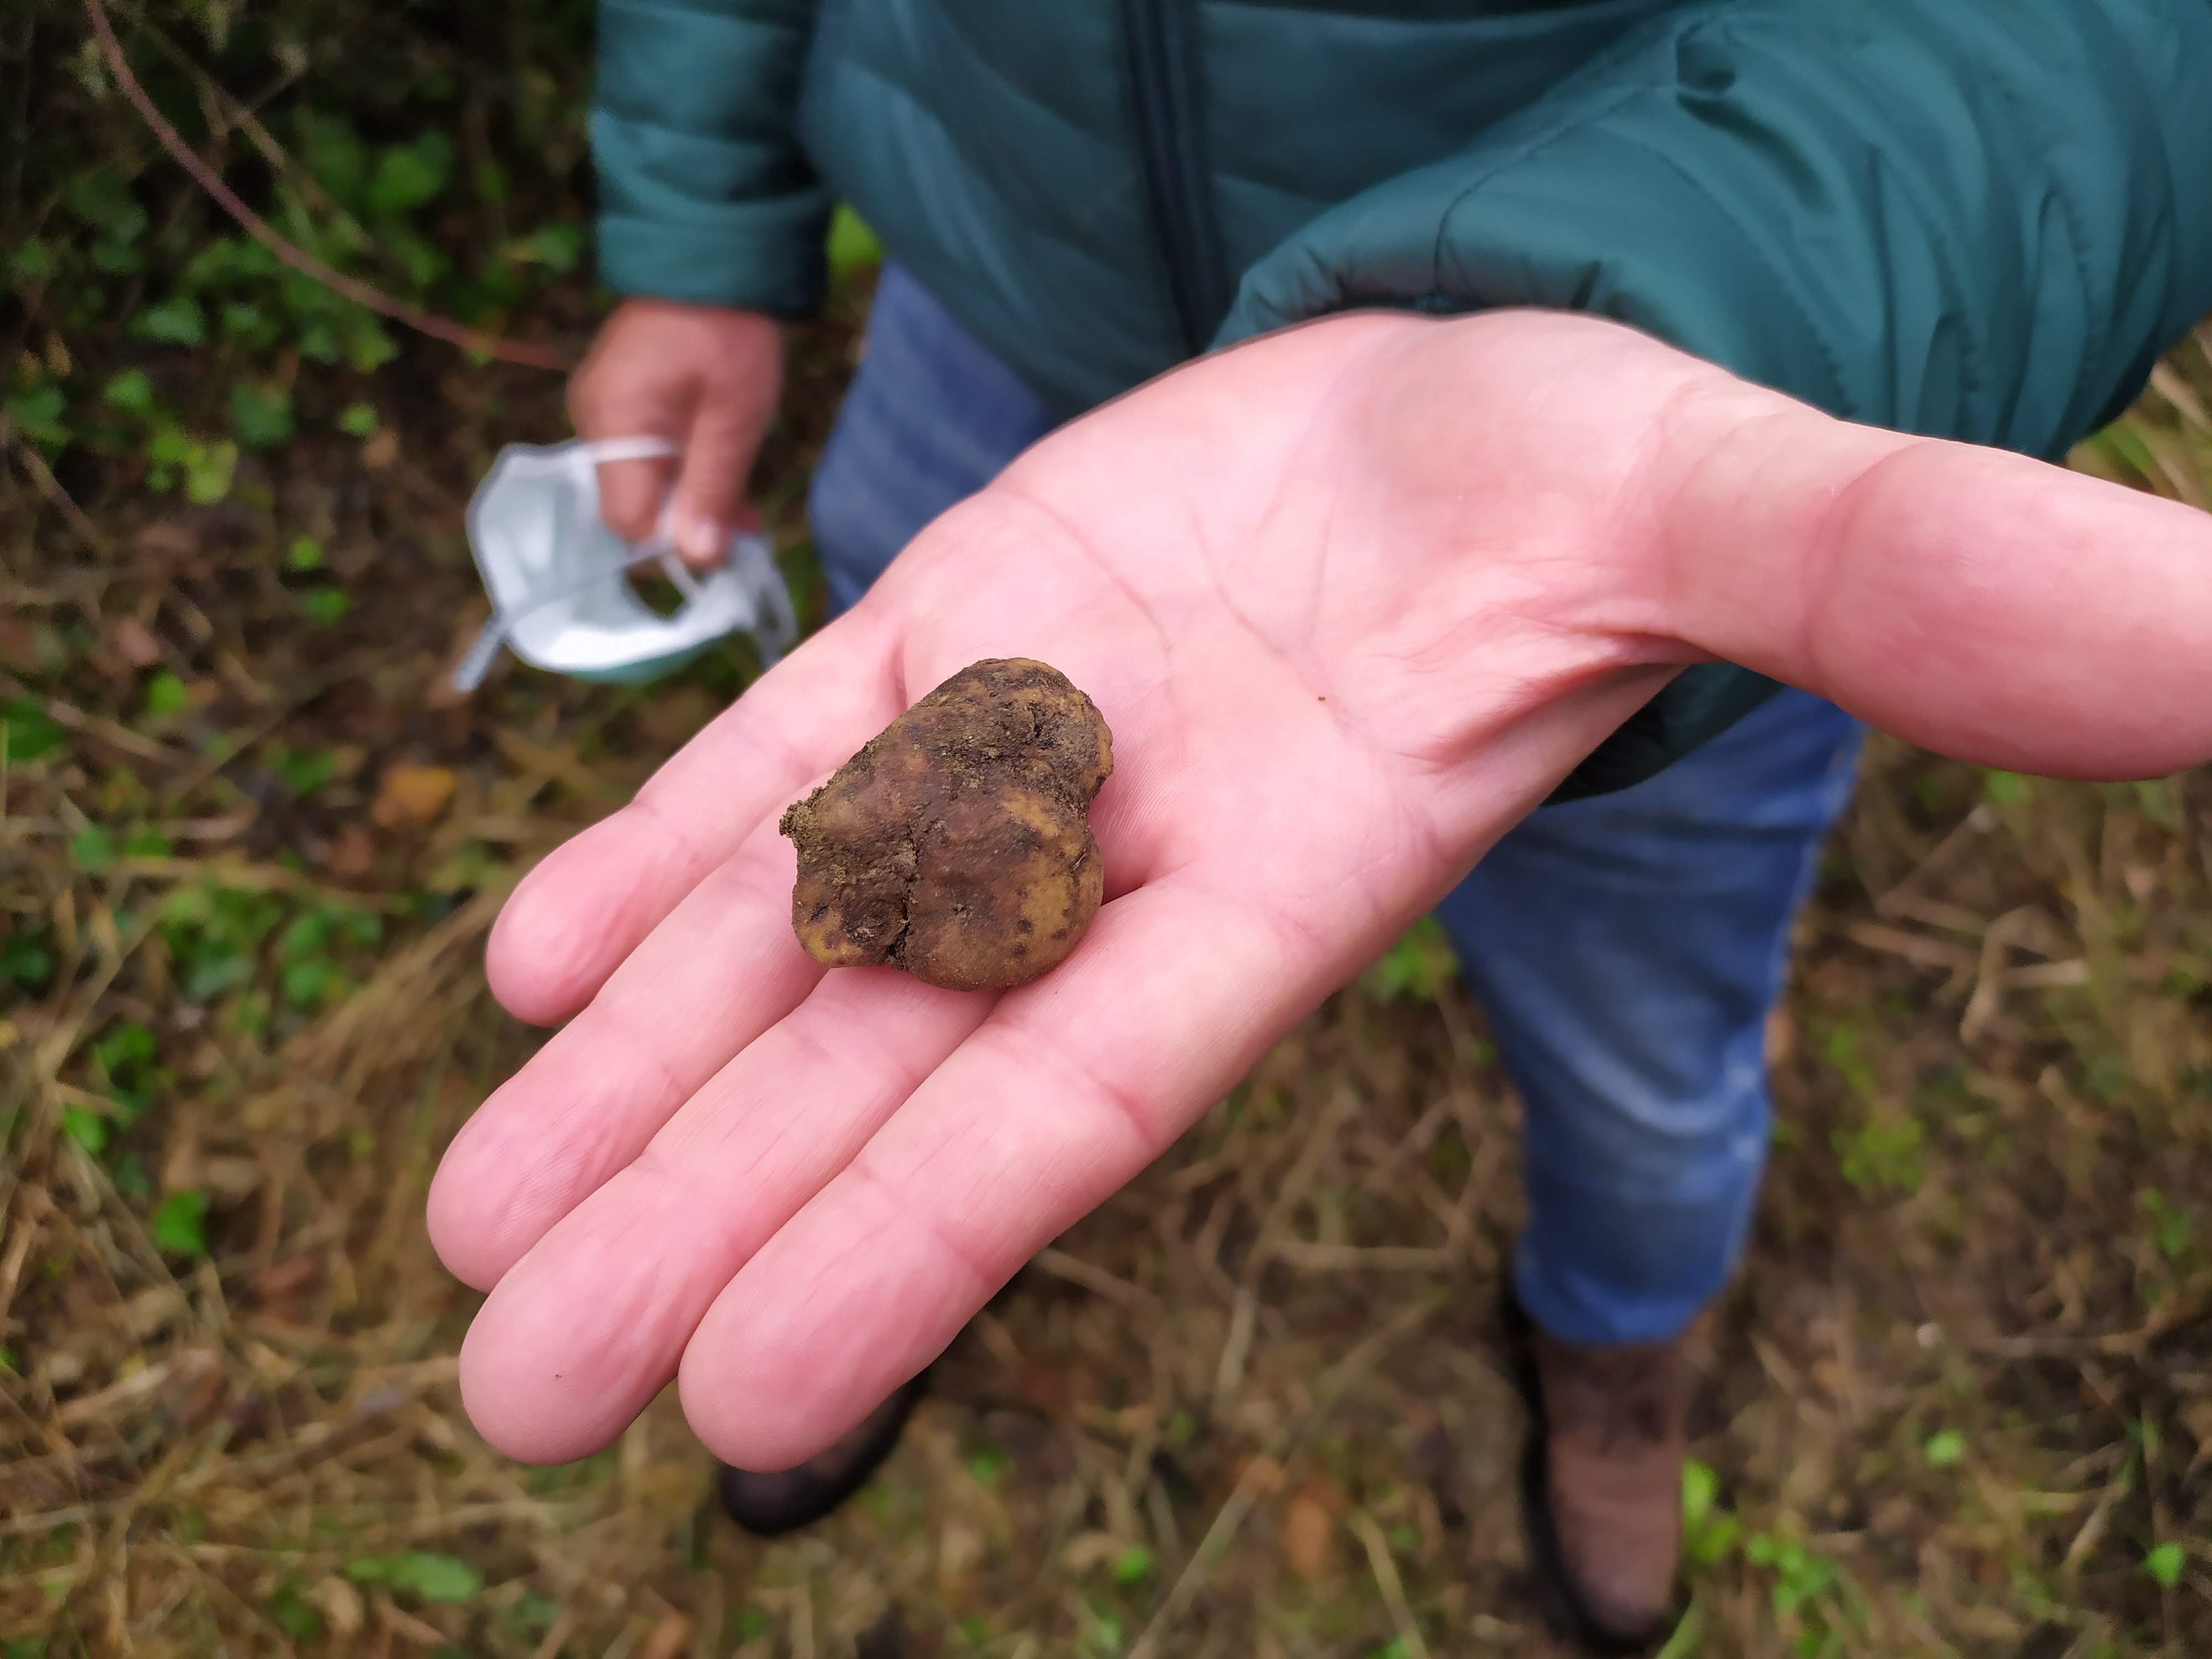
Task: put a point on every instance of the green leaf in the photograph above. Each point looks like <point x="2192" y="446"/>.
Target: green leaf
<point x="25" y="961"/>
<point x="294" y="1615"/>
<point x="92" y="848"/>
<point x="306" y="553"/>
<point x="853" y="246"/>
<point x="208" y="470"/>
<point x="1419" y="965"/>
<point x="261" y="416"/>
<point x="88" y="1129"/>
<point x="1701" y="1489"/>
<point x="217" y="974"/>
<point x="103" y="201"/>
<point x="248" y="323"/>
<point x="1133" y="1565"/>
<point x="167" y="694"/>
<point x="324" y="605"/>
<point x="987" y="1465"/>
<point x="1945" y="1448"/>
<point x="114" y="259"/>
<point x="39" y="413"/>
<point x="309" y="984"/>
<point x="2170" y="1227"/>
<point x="369" y="344"/>
<point x="557" y="246"/>
<point x="424" y="261"/>
<point x="304" y="770"/>
<point x="2005" y="788"/>
<point x="180" y="1224"/>
<point x="32" y="262"/>
<point x="177" y="320"/>
<point x="433" y="1578"/>
<point x="28" y="733"/>
<point x="337" y="160"/>
<point x="130" y="1044"/>
<point x="2162" y="1566"/>
<point x="131" y="392"/>
<point x="407" y="175"/>
<point x="358" y="419"/>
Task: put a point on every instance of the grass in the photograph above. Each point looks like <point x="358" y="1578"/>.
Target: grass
<point x="1957" y="1404"/>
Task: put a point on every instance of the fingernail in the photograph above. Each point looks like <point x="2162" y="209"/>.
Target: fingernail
<point x="700" y="541"/>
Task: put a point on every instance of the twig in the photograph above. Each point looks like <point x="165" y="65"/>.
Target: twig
<point x="1230" y="1519"/>
<point x="422" y="322"/>
<point x="1387" y="1580"/>
<point x="50" y="487"/>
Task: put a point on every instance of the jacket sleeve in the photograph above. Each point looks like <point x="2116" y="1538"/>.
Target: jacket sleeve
<point x="704" y="192"/>
<point x="1969" y="219"/>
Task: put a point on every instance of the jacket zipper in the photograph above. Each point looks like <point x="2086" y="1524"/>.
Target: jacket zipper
<point x="1163" y="64"/>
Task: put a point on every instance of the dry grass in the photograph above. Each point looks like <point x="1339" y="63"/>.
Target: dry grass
<point x="1958" y="1403"/>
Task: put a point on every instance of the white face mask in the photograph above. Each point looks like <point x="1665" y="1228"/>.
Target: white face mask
<point x="559" y="578"/>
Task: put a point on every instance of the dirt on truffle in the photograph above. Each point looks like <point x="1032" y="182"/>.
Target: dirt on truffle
<point x="957" y="844"/>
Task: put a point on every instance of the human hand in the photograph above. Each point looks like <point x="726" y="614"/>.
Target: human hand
<point x="706" y="377"/>
<point x="1353" y="599"/>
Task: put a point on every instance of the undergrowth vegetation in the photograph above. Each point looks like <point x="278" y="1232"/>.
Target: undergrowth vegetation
<point x="250" y="843"/>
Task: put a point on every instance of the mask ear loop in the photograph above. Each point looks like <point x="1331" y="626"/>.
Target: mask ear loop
<point x="492" y="638"/>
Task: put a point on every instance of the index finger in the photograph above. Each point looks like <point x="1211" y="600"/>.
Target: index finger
<point x="593" y="900"/>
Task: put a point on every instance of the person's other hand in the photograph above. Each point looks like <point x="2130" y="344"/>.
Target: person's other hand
<point x="707" y="377"/>
<point x="1353" y="597"/>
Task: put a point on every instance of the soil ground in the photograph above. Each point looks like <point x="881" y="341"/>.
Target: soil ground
<point x="1959" y="1401"/>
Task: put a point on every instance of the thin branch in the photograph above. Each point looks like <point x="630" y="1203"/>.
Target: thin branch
<point x="441" y="328"/>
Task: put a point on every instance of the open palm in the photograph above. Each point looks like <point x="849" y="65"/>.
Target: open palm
<point x="1353" y="599"/>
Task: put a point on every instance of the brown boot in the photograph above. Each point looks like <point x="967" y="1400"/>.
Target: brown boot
<point x="1602" y="1483"/>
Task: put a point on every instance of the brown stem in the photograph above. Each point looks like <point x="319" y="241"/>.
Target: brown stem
<point x="441" y="328"/>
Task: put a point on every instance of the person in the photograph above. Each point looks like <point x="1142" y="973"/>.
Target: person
<point x="1480" y="457"/>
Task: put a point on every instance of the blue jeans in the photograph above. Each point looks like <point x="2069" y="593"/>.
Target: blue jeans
<point x="1627" y="948"/>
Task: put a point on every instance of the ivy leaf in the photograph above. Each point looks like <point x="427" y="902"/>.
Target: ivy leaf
<point x="177" y="320"/>
<point x="261" y="416"/>
<point x="32" y="262"/>
<point x="130" y="392"/>
<point x="337" y="160"/>
<point x="39" y="413"/>
<point x="407" y="175"/>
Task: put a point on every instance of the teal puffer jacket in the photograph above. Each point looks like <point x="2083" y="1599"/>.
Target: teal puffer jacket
<point x="1978" y="219"/>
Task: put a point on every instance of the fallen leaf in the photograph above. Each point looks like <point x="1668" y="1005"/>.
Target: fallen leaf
<point x="1309" y="1528"/>
<point x="19" y="646"/>
<point x="1264" y="1473"/>
<point x="168" y="539"/>
<point x="352" y="855"/>
<point x="134" y="642"/>
<point x="381" y="449"/>
<point x="409" y="797"/>
<point x="668" y="1637"/>
<point x="339" y="1603"/>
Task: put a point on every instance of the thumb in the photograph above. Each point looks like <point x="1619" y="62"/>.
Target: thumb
<point x="718" y="463"/>
<point x="1982" y="605"/>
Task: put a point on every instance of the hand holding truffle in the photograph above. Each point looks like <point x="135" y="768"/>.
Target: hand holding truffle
<point x="1354" y="598"/>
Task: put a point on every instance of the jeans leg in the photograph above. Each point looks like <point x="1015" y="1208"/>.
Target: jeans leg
<point x="930" y="418"/>
<point x="1627" y="949"/>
